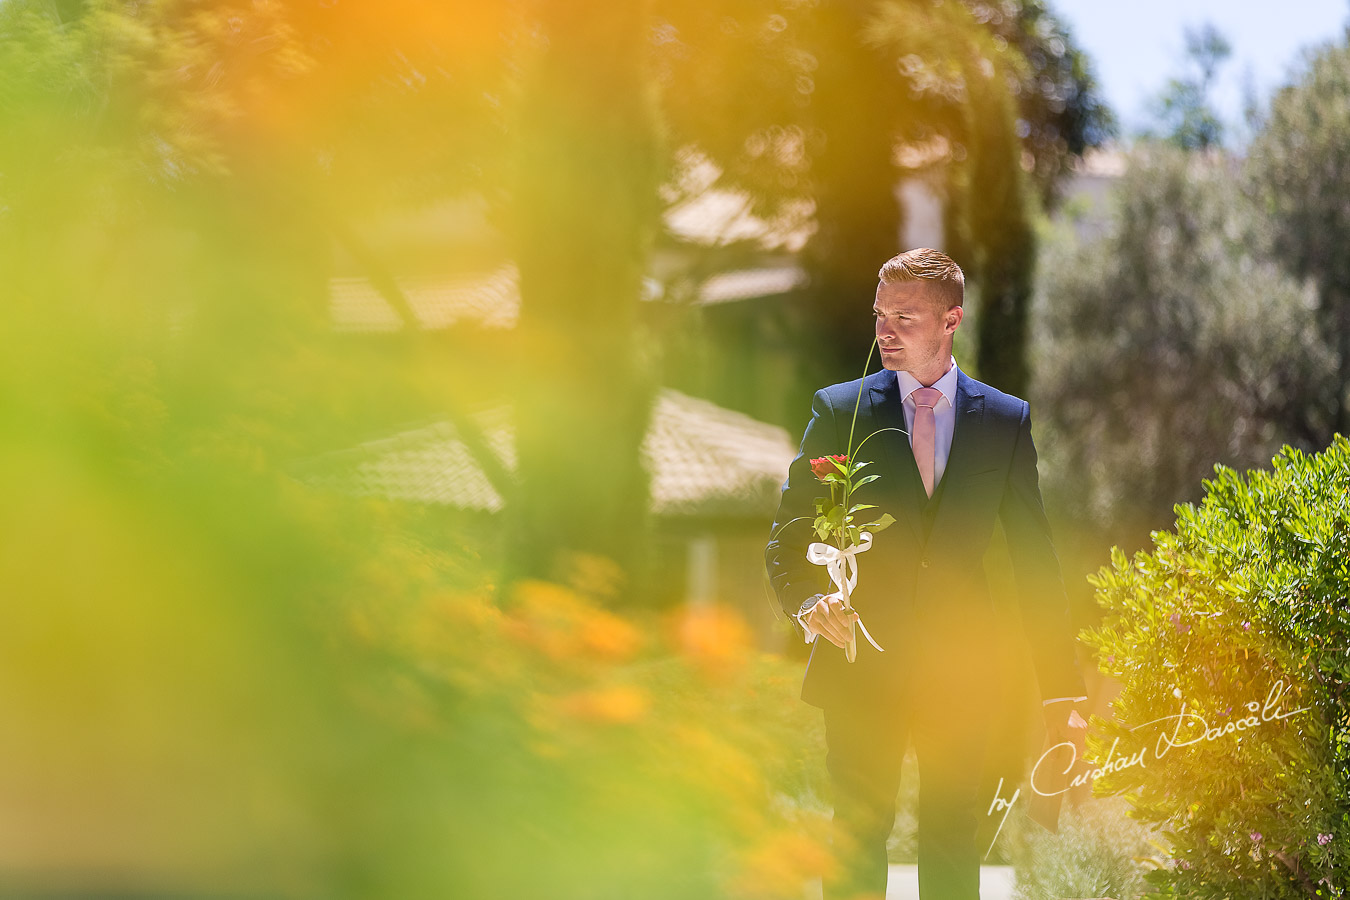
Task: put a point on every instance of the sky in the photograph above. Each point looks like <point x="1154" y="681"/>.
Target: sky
<point x="1136" y="46"/>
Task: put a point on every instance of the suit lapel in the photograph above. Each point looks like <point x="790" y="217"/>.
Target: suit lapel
<point x="969" y="420"/>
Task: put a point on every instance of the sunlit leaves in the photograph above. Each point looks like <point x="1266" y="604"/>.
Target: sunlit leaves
<point x="1246" y="590"/>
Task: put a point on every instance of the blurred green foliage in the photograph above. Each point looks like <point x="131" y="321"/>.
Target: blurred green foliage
<point x="986" y="102"/>
<point x="218" y="680"/>
<point x="1184" y="109"/>
<point x="1298" y="171"/>
<point x="1167" y="341"/>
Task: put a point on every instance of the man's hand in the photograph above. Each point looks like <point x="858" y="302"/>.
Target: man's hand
<point x="828" y="618"/>
<point x="1063" y="723"/>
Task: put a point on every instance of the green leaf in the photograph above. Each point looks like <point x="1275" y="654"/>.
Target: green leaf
<point x="867" y="480"/>
<point x="886" y="521"/>
<point x="858" y="506"/>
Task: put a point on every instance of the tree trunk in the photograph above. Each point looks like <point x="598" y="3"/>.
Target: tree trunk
<point x="999" y="235"/>
<point x="582" y="216"/>
<point x="858" y="215"/>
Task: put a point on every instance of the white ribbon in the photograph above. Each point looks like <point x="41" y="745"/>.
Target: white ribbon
<point x="842" y="566"/>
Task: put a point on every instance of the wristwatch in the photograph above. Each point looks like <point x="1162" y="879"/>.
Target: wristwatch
<point x="807" y="606"/>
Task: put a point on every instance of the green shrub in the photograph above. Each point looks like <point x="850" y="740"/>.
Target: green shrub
<point x="1095" y="853"/>
<point x="1247" y="597"/>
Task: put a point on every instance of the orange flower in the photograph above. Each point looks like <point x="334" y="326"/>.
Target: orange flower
<point x="824" y="465"/>
<point x="565" y="626"/>
<point x="616" y="703"/>
<point x="609" y="636"/>
<point x="546" y="616"/>
<point x="715" y="637"/>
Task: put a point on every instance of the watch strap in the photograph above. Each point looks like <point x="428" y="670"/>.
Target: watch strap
<point x="806" y="607"/>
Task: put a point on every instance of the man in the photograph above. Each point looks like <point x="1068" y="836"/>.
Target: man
<point x="960" y="456"/>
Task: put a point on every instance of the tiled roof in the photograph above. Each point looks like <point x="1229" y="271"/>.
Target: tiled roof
<point x="702" y="210"/>
<point x="489" y="299"/>
<point x="703" y="460"/>
<point x="746" y="283"/>
<point x="720" y="216"/>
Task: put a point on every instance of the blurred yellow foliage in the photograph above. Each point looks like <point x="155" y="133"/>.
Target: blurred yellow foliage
<point x="777" y="863"/>
<point x="715" y="638"/>
<point x="216" y="677"/>
<point x="616" y="703"/>
<point x="565" y="627"/>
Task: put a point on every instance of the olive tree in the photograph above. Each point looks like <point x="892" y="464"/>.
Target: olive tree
<point x="1299" y="165"/>
<point x="1168" y="343"/>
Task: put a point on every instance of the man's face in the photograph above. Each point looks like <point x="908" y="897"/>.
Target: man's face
<point x="914" y="333"/>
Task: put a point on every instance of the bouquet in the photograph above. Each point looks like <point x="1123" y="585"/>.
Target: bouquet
<point x="841" y="539"/>
<point x="841" y="536"/>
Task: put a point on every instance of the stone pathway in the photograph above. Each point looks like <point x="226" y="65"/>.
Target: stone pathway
<point x="996" y="883"/>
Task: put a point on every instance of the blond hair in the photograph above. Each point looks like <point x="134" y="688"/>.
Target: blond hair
<point x="947" y="283"/>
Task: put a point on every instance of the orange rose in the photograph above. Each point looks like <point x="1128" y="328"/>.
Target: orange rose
<point x="824" y="466"/>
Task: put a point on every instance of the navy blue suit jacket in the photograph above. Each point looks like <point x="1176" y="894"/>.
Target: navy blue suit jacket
<point x="922" y="590"/>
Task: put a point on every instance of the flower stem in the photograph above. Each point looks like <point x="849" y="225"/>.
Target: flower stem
<point x="844" y="538"/>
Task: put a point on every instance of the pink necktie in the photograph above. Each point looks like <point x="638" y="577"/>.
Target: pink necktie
<point x="925" y="433"/>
